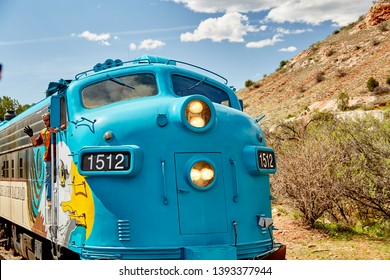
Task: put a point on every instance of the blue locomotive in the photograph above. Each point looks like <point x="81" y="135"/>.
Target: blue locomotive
<point x="154" y="159"/>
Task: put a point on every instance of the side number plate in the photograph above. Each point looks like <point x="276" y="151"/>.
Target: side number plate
<point x="106" y="161"/>
<point x="266" y="159"/>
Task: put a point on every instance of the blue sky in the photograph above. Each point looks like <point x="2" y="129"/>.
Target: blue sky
<point x="46" y="40"/>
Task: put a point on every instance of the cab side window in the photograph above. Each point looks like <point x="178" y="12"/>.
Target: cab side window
<point x="63" y="116"/>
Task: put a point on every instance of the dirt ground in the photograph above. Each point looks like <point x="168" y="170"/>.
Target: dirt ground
<point x="304" y="243"/>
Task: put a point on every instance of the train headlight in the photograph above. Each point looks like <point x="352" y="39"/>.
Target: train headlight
<point x="198" y="113"/>
<point x="202" y="174"/>
<point x="207" y="173"/>
<point x="195" y="107"/>
<point x="197" y="121"/>
<point x="195" y="175"/>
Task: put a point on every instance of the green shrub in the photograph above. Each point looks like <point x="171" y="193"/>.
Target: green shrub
<point x="342" y="101"/>
<point x="325" y="116"/>
<point x="372" y="84"/>
<point x="249" y="83"/>
<point x="282" y="64"/>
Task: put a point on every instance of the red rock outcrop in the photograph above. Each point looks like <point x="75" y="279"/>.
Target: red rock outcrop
<point x="378" y="13"/>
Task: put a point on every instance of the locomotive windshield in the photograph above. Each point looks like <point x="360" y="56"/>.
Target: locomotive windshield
<point x="117" y="89"/>
<point x="184" y="86"/>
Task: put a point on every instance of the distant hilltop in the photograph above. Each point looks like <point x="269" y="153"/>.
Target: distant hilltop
<point x="341" y="64"/>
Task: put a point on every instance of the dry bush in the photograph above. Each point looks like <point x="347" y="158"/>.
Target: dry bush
<point x="320" y="76"/>
<point x="342" y="101"/>
<point x="363" y="175"/>
<point x="303" y="170"/>
<point x="336" y="168"/>
<point x="340" y="73"/>
<point x="302" y="177"/>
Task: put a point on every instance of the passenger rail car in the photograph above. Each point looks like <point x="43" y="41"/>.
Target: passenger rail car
<point x="154" y="160"/>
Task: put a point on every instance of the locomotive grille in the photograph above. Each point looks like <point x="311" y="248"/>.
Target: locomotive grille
<point x="124" y="230"/>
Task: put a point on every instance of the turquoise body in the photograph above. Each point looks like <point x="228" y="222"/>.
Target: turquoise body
<point x="153" y="210"/>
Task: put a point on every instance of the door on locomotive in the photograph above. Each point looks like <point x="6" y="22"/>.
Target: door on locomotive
<point x="192" y="198"/>
<point x="58" y="121"/>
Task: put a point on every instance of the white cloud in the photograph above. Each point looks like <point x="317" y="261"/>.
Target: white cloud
<point x="207" y="6"/>
<point x="101" y="38"/>
<point x="340" y="13"/>
<point x="292" y="31"/>
<point x="132" y="46"/>
<point x="263" y="27"/>
<point x="147" y="44"/>
<point x="150" y="44"/>
<point x="266" y="42"/>
<point x="289" y="49"/>
<point x="231" y="26"/>
<point x="308" y="11"/>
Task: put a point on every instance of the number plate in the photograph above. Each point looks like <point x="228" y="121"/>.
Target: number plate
<point x="106" y="161"/>
<point x="266" y="159"/>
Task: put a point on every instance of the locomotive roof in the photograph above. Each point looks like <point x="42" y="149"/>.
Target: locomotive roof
<point x="108" y="64"/>
<point x="142" y="60"/>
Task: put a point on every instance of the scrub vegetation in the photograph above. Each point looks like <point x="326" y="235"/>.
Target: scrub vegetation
<point x="335" y="173"/>
<point x="335" y="169"/>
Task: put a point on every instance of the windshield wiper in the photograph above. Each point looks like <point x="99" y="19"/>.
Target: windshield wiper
<point x="197" y="84"/>
<point x="119" y="82"/>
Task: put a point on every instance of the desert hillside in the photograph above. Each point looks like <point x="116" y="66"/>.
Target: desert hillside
<point x="342" y="63"/>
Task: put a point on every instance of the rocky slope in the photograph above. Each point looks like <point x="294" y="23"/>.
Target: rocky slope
<point x="313" y="79"/>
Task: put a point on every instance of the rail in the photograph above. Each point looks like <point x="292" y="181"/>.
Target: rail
<point x="110" y="63"/>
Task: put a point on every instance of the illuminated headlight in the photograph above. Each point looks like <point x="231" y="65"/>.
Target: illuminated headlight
<point x="197" y="121"/>
<point x="198" y="113"/>
<point x="195" y="107"/>
<point x="202" y="174"/>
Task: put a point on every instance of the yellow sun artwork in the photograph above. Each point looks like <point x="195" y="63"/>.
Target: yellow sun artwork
<point x="80" y="206"/>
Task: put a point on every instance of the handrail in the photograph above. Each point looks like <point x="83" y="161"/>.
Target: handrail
<point x="165" y="198"/>
<point x="198" y="67"/>
<point x="110" y="64"/>
<point x="235" y="183"/>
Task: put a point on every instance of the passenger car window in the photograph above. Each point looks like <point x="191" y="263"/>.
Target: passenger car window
<point x="116" y="89"/>
<point x="184" y="86"/>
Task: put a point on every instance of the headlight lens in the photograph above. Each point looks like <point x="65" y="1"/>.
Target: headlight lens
<point x="195" y="107"/>
<point x="202" y="174"/>
<point x="198" y="113"/>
